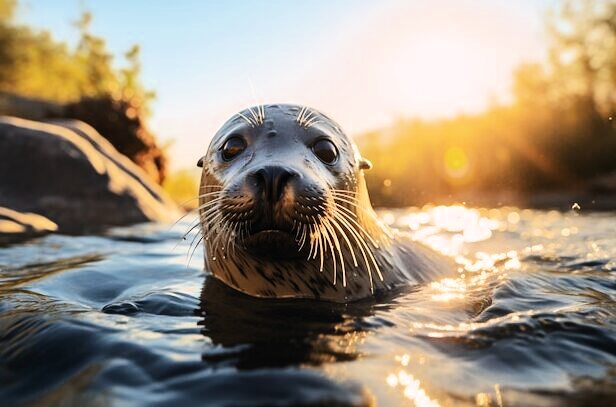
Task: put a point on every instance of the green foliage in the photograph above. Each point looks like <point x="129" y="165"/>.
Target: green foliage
<point x="33" y="64"/>
<point x="558" y="133"/>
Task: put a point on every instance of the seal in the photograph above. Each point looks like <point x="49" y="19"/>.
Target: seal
<point x="285" y="213"/>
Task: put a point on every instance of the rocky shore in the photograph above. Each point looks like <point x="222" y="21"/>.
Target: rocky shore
<point x="63" y="176"/>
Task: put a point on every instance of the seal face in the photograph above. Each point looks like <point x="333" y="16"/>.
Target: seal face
<point x="285" y="212"/>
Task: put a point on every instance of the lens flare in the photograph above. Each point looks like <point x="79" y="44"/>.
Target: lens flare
<point x="456" y="163"/>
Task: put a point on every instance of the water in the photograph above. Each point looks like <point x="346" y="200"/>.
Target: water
<point x="121" y="319"/>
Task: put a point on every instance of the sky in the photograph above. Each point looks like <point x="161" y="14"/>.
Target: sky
<point x="364" y="63"/>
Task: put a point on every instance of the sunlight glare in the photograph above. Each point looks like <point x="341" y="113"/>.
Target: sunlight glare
<point x="456" y="164"/>
<point x="447" y="228"/>
<point x="448" y="289"/>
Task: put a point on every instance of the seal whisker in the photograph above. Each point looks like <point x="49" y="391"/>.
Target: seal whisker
<point x="240" y="236"/>
<point x="193" y="251"/>
<point x="313" y="238"/>
<point x="298" y="119"/>
<point x="333" y="221"/>
<point x="311" y="122"/>
<point x="303" y="238"/>
<point x="331" y="249"/>
<point x="254" y="116"/>
<point x="210" y="202"/>
<point x="310" y="234"/>
<point x="338" y="249"/>
<point x="312" y="252"/>
<point x="307" y="232"/>
<point x="378" y="270"/>
<point x="262" y="113"/>
<point x="351" y="194"/>
<point x="207" y="212"/>
<point x="225" y="230"/>
<point x="359" y="241"/>
<point x="317" y="235"/>
<point x="250" y="123"/>
<point x="350" y="216"/>
<point x="297" y="230"/>
<point x="211" y="186"/>
<point x="369" y="213"/>
<point x="246" y="229"/>
<point x="207" y="222"/>
<point x="363" y="248"/>
<point x="199" y="237"/>
<point x="231" y="236"/>
<point x="191" y="228"/>
<point x="321" y="248"/>
<point x="198" y="197"/>
<point x="310" y="119"/>
<point x="220" y="234"/>
<point x="346" y="239"/>
<point x="228" y="228"/>
<point x="307" y="117"/>
<point x="207" y="194"/>
<point x="186" y="214"/>
<point x="207" y="206"/>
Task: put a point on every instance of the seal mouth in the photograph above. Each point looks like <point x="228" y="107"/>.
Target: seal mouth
<point x="272" y="244"/>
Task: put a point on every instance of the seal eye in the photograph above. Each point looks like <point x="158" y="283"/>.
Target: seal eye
<point x="326" y="151"/>
<point x="233" y="147"/>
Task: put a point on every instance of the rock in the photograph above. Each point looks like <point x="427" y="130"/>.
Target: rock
<point x="119" y="120"/>
<point x="70" y="174"/>
<point x="15" y="226"/>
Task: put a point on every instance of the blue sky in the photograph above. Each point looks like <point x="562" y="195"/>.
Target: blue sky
<point x="366" y="63"/>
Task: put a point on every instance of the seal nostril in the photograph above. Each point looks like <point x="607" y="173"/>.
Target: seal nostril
<point x="272" y="180"/>
<point x="281" y="181"/>
<point x="260" y="178"/>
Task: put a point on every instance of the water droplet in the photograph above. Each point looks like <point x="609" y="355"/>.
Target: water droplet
<point x="214" y="258"/>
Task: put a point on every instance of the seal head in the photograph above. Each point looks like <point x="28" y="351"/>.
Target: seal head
<point x="284" y="208"/>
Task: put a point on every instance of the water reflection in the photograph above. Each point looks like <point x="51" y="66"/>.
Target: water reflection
<point x="411" y="387"/>
<point x="250" y="333"/>
<point x="447" y="228"/>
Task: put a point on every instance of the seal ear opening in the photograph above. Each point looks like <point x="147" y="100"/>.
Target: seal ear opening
<point x="200" y="162"/>
<point x="364" y="164"/>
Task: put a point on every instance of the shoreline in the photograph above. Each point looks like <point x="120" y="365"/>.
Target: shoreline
<point x="552" y="200"/>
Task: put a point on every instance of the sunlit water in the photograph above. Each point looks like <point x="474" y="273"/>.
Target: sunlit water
<point x="529" y="319"/>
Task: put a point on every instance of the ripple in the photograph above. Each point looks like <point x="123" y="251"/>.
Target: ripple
<point x="122" y="319"/>
<point x="156" y="303"/>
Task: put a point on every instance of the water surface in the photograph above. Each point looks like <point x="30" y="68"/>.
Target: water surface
<point x="124" y="319"/>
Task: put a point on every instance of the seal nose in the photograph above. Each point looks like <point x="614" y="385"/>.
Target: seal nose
<point x="272" y="180"/>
